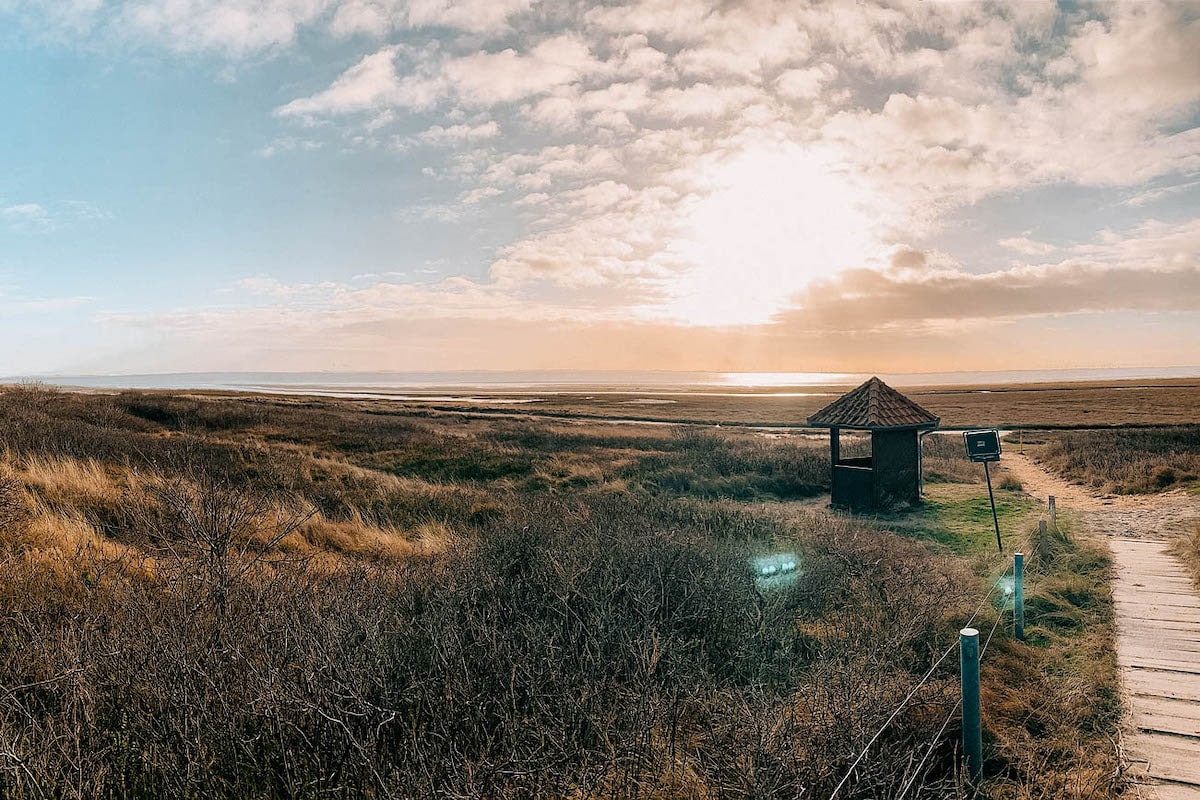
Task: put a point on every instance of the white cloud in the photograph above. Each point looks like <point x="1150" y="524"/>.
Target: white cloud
<point x="381" y="17"/>
<point x="475" y="196"/>
<point x="1153" y="268"/>
<point x="370" y="84"/>
<point x="26" y="216"/>
<point x="1026" y="246"/>
<point x="288" y="144"/>
<point x="487" y="79"/>
<point x="242" y="28"/>
<point x="805" y="83"/>
<point x="458" y="134"/>
<point x="38" y="218"/>
<point x="238" y="27"/>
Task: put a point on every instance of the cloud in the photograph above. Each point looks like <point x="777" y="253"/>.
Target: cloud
<point x="1156" y="268"/>
<point x="1026" y="246"/>
<point x="38" y="218"/>
<point x="381" y="17"/>
<point x="480" y="79"/>
<point x="238" y="27"/>
<point x="611" y="130"/>
<point x="458" y="134"/>
<point x="486" y="79"/>
<point x="1148" y="196"/>
<point x="26" y="217"/>
<point x="372" y="83"/>
<point x="243" y="28"/>
<point x="805" y="83"/>
<point x="288" y="144"/>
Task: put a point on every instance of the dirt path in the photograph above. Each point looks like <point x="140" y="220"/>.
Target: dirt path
<point x="1158" y="624"/>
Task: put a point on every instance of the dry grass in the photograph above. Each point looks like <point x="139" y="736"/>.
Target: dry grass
<point x="249" y="598"/>
<point x="1187" y="548"/>
<point x="1125" y="461"/>
<point x="1052" y="705"/>
<point x="945" y="461"/>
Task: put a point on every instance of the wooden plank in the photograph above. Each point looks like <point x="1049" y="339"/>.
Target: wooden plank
<point x="1138" y="694"/>
<point x="1180" y="717"/>
<point x="1174" y="662"/>
<point x="1170" y="757"/>
<point x="1172" y="791"/>
<point x="1158" y="629"/>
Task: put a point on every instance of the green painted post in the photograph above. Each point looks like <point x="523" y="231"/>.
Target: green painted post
<point x="972" y="730"/>
<point x="1019" y="597"/>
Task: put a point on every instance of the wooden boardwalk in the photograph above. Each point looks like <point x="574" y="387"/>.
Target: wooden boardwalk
<point x="1158" y="627"/>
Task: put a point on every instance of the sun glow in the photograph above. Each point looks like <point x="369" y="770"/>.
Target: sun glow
<point x="775" y="219"/>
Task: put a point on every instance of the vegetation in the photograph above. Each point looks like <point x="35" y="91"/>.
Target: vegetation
<point x="1131" y="461"/>
<point x="1187" y="548"/>
<point x="1052" y="705"/>
<point x="278" y="598"/>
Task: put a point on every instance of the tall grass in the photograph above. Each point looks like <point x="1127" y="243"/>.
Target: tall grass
<point x="1126" y="461"/>
<point x="262" y="599"/>
<point x="572" y="649"/>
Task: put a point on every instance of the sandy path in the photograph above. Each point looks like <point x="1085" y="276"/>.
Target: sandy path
<point x="1158" y="624"/>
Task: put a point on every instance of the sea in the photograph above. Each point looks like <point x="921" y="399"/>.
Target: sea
<point x="426" y="385"/>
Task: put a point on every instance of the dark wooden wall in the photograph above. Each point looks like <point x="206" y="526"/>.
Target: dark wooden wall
<point x="895" y="459"/>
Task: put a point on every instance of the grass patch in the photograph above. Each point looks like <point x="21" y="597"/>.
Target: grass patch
<point x="1051" y="705"/>
<point x="1126" y="461"/>
<point x="1187" y="548"/>
<point x="958" y="518"/>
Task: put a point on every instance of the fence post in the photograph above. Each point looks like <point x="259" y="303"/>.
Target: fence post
<point x="1053" y="514"/>
<point x="1042" y="539"/>
<point x="1019" y="597"/>
<point x="972" y="731"/>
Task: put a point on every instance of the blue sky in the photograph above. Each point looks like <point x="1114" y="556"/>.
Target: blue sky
<point x="653" y="184"/>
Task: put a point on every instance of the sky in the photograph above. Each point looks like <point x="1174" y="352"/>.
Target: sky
<point x="303" y="185"/>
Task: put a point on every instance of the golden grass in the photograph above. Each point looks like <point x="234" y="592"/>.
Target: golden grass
<point x="67" y="481"/>
<point x="1187" y="549"/>
<point x="358" y="537"/>
<point x="61" y="494"/>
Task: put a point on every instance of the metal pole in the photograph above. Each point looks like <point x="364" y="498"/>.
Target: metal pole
<point x="1019" y="597"/>
<point x="972" y="731"/>
<point x="1053" y="514"/>
<point x="992" y="499"/>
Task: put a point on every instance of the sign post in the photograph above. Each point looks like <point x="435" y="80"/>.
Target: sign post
<point x="984" y="447"/>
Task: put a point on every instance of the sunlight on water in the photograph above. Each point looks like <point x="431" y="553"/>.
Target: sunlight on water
<point x="754" y="379"/>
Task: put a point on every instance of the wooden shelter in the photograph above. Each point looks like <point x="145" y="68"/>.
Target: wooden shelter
<point x="891" y="475"/>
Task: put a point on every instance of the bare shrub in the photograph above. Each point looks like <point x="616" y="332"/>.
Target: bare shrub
<point x="12" y="507"/>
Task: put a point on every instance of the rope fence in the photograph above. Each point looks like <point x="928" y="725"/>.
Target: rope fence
<point x="1028" y="543"/>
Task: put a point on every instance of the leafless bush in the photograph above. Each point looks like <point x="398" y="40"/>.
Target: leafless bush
<point x="12" y="508"/>
<point x="202" y="529"/>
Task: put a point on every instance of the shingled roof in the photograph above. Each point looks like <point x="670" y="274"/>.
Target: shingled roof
<point x="873" y="406"/>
